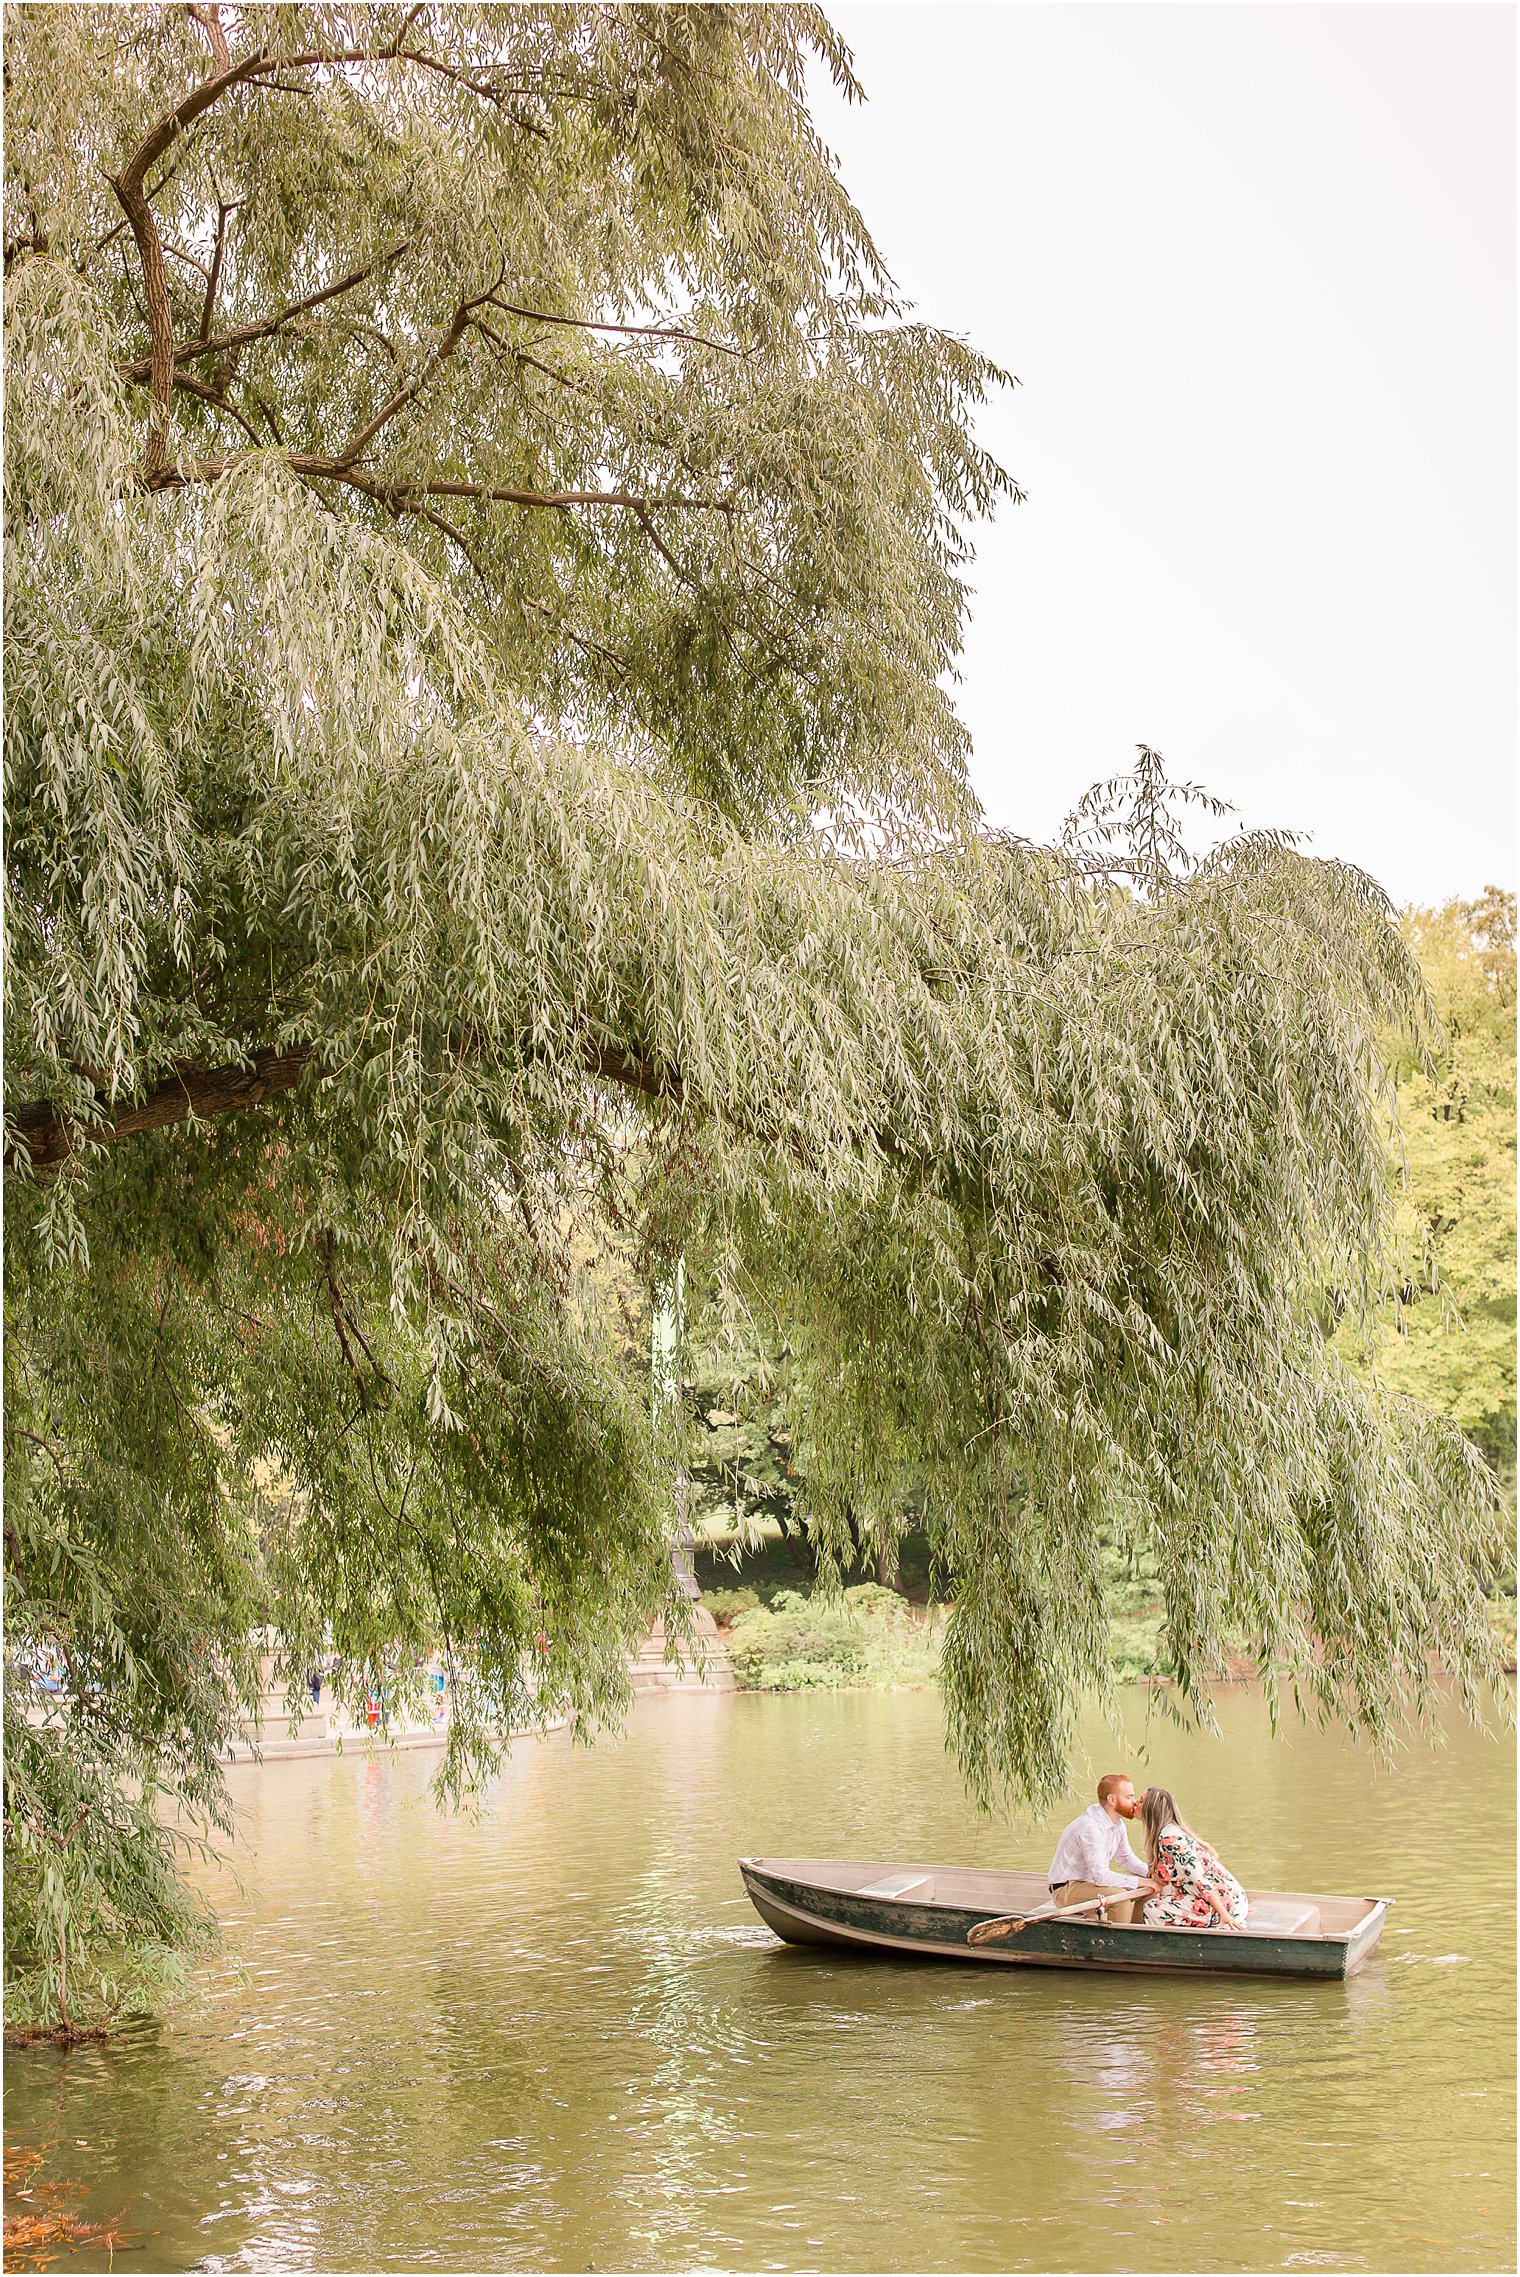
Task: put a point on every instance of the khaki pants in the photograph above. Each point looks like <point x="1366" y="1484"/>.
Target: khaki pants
<point x="1118" y="1908"/>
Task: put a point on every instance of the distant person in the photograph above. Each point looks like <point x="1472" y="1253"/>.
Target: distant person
<point x="1192" y="1889"/>
<point x="1085" y="1856"/>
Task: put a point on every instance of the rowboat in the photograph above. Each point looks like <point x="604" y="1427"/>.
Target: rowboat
<point x="928" y="1911"/>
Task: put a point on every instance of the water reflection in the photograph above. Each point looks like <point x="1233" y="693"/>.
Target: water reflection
<point x="559" y="2037"/>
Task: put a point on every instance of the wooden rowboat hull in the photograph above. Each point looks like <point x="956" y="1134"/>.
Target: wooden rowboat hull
<point x="925" y="1911"/>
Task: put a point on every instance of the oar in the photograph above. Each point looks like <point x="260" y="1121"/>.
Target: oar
<point x="1009" y="1925"/>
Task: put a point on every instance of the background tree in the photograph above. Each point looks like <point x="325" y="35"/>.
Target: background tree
<point x="740" y="1462"/>
<point x="1448" y="1334"/>
<point x="471" y="499"/>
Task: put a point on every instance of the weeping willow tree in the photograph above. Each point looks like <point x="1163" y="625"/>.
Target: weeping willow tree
<point x="472" y="501"/>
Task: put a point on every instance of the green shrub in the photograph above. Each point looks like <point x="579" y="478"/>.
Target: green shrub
<point x="1134" y="1644"/>
<point x="725" y="1605"/>
<point x="866" y="1637"/>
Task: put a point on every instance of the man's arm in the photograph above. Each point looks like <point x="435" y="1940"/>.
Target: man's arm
<point x="1097" y="1849"/>
<point x="1127" y="1859"/>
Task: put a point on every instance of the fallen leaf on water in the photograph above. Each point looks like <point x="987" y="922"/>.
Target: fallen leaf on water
<point x="45" y="2221"/>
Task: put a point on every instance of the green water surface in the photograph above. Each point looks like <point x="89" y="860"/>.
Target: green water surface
<point x="557" y="2038"/>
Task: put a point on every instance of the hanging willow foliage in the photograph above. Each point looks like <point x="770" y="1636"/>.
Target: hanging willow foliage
<point x="471" y="497"/>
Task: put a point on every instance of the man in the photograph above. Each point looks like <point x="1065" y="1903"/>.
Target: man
<point x="1090" y="1848"/>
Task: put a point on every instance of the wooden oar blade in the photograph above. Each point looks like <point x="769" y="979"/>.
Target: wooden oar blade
<point x="1009" y="1924"/>
<point x="983" y="1932"/>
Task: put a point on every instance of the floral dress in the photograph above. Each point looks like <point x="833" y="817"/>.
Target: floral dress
<point x="1185" y="1868"/>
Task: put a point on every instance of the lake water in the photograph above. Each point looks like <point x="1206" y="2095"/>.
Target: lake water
<point x="557" y="2038"/>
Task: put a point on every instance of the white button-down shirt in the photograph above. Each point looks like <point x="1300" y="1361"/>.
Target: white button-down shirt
<point x="1084" y="1852"/>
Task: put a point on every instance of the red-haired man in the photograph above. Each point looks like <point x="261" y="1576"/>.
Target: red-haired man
<point x="1090" y="1848"/>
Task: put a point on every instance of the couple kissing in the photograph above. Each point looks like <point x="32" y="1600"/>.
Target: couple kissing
<point x="1181" y="1883"/>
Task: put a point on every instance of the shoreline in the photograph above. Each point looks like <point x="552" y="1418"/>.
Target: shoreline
<point x="372" y="1743"/>
<point x="362" y="1740"/>
<point x="670" y="1683"/>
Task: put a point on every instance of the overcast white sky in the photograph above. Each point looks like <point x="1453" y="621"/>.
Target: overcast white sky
<point x="1254" y="266"/>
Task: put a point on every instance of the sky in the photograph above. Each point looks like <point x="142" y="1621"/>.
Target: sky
<point x="1254" y="267"/>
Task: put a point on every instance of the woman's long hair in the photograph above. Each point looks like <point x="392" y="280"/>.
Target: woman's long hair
<point x="1158" y="1811"/>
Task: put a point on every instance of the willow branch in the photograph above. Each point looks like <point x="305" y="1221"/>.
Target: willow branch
<point x="199" y="100"/>
<point x="458" y="538"/>
<point x="681" y="575"/>
<point x="160" y="316"/>
<point x="620" y="664"/>
<point x="220" y="402"/>
<point x="178" y="253"/>
<point x="402" y="496"/>
<point x="631" y="500"/>
<point x="224" y="214"/>
<point x="42" y="1135"/>
<point x="134" y="203"/>
<point x="346" y="1326"/>
<point x="632" y="331"/>
<point x="210" y="20"/>
<point x="458" y="326"/>
<point x="40" y="1138"/>
<point x="222" y="343"/>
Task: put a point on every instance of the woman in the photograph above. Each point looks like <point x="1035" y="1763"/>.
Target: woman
<point x="1193" y="1890"/>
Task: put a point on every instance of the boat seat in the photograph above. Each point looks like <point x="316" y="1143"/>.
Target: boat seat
<point x="900" y="1885"/>
<point x="1283" y="1917"/>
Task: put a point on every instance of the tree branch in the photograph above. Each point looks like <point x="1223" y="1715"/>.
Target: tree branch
<point x="222" y="343"/>
<point x="224" y="214"/>
<point x="630" y="500"/>
<point x="458" y="538"/>
<point x="39" y="1133"/>
<point x="402" y="497"/>
<point x="581" y="640"/>
<point x="268" y="410"/>
<point x="128" y="186"/>
<point x="39" y="1138"/>
<point x="458" y="326"/>
<point x="178" y="253"/>
<point x="150" y="252"/>
<point x="158" y="367"/>
<point x="633" y="331"/>
<point x="42" y="1136"/>
<point x="345" y="1326"/>
<point x="221" y="402"/>
<point x="682" y="576"/>
<point x="56" y="1454"/>
<point x="210" y="20"/>
<point x="491" y="90"/>
<point x="521" y="358"/>
<point x="200" y="99"/>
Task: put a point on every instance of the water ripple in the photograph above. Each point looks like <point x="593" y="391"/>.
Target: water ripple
<point x="555" y="2038"/>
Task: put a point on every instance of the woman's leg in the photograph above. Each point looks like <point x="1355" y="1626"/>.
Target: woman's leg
<point x="1174" y="1912"/>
